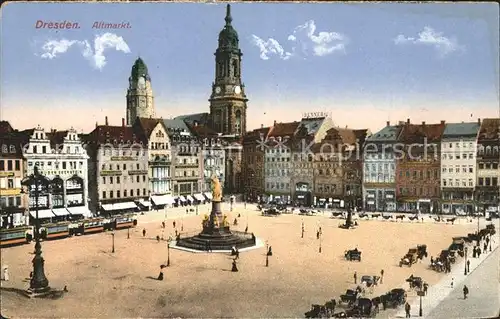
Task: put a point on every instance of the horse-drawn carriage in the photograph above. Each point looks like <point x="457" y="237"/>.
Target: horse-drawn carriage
<point x="363" y="308"/>
<point x="394" y="298"/>
<point x="349" y="297"/>
<point x="370" y="280"/>
<point x="415" y="282"/>
<point x="271" y="212"/>
<point x="410" y="258"/>
<point x="447" y="255"/>
<point x="353" y="254"/>
<point x="491" y="229"/>
<point x="322" y="311"/>
<point x="457" y="246"/>
<point x="422" y="251"/>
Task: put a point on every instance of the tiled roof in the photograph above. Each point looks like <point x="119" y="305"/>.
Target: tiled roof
<point x="103" y="134"/>
<point x="14" y="139"/>
<point x="255" y="135"/>
<point x="387" y="134"/>
<point x="490" y="128"/>
<point x="416" y="133"/>
<point x="200" y="118"/>
<point x="176" y="125"/>
<point x="146" y="125"/>
<point x="461" y="129"/>
<point x="311" y="125"/>
<point x="5" y="127"/>
<point x="202" y="130"/>
<point x="284" y="129"/>
<point x="56" y="138"/>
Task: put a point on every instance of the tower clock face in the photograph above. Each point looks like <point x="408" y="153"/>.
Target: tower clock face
<point x="217" y="89"/>
<point x="237" y="89"/>
<point x="142" y="82"/>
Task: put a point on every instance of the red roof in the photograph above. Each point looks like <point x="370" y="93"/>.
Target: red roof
<point x="284" y="129"/>
<point x="490" y="128"/>
<point x="417" y="133"/>
<point x="125" y="135"/>
<point x="146" y="125"/>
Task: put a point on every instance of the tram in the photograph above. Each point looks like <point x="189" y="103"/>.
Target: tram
<point x="16" y="236"/>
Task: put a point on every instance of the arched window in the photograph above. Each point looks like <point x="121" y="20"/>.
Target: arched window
<point x="237" y="125"/>
<point x="12" y="149"/>
<point x="5" y="148"/>
<point x="481" y="149"/>
<point x="235" y="68"/>
<point x="488" y="150"/>
<point x="495" y="150"/>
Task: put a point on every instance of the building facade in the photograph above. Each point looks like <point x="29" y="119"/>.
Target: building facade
<point x="278" y="162"/>
<point x="418" y="167"/>
<point x="253" y="163"/>
<point x="488" y="166"/>
<point x="160" y="159"/>
<point x="458" y="167"/>
<point x="118" y="168"/>
<point x="62" y="160"/>
<point x="140" y="101"/>
<point x="187" y="161"/>
<point x="13" y="203"/>
<point x="379" y="171"/>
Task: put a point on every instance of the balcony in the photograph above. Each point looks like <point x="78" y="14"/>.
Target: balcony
<point x="185" y="178"/>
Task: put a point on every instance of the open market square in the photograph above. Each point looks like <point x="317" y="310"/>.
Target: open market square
<point x="123" y="284"/>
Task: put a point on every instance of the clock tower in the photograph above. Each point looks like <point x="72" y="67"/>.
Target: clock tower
<point x="139" y="93"/>
<point x="228" y="102"/>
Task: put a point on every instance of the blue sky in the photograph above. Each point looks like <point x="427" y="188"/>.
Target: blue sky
<point x="364" y="63"/>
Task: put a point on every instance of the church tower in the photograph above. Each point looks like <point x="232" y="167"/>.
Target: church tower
<point x="139" y="93"/>
<point x="228" y="102"/>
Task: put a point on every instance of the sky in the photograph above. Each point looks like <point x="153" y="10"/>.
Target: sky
<point x="364" y="63"/>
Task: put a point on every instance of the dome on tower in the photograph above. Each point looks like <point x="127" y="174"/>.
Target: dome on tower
<point x="228" y="37"/>
<point x="139" y="69"/>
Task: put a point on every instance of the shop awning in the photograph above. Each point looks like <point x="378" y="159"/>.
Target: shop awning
<point x="208" y="195"/>
<point x="80" y="210"/>
<point x="60" y="211"/>
<point x="190" y="198"/>
<point x="42" y="213"/>
<point x="182" y="198"/>
<point x="199" y="197"/>
<point x="162" y="200"/>
<point x="119" y="206"/>
<point x="145" y="203"/>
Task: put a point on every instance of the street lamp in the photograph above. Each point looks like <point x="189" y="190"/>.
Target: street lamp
<point x="113" y="241"/>
<point x="302" y="236"/>
<point x="320" y="238"/>
<point x="168" y="254"/>
<point x="128" y="232"/>
<point x="465" y="261"/>
<point x="39" y="282"/>
<point x="421" y="293"/>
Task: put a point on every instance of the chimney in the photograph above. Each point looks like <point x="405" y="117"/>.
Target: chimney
<point x="262" y="126"/>
<point x="123" y="122"/>
<point x="96" y="124"/>
<point x="443" y="122"/>
<point x="423" y="123"/>
<point x="407" y="121"/>
<point x="479" y="121"/>
<point x="106" y="121"/>
<point x="388" y="123"/>
<point x="274" y="122"/>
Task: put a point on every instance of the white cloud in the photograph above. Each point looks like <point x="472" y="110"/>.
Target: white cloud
<point x="433" y="38"/>
<point x="303" y="42"/>
<point x="53" y="48"/>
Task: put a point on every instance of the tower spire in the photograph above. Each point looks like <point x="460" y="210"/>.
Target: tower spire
<point x="228" y="18"/>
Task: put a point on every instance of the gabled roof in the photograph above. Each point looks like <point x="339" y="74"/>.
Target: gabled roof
<point x="202" y="130"/>
<point x="461" y="129"/>
<point x="200" y="118"/>
<point x="311" y="125"/>
<point x="104" y="134"/>
<point x="490" y="129"/>
<point x="147" y="125"/>
<point x="176" y="125"/>
<point x="56" y="138"/>
<point x="5" y="127"/>
<point x="284" y="129"/>
<point x="390" y="133"/>
<point x="413" y="133"/>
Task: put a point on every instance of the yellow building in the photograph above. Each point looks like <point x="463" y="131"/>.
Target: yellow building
<point x="12" y="202"/>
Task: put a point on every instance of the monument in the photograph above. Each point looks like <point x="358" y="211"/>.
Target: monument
<point x="216" y="234"/>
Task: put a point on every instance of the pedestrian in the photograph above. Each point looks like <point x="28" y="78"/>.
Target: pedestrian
<point x="160" y="276"/>
<point x="485" y="246"/>
<point x="466" y="292"/>
<point x="144" y="232"/>
<point x="207" y="248"/>
<point x="5" y="274"/>
<point x="65" y="289"/>
<point x="355" y="278"/>
<point x="452" y="280"/>
<point x="317" y="234"/>
<point x="381" y="276"/>
<point x="474" y="252"/>
<point x="426" y="286"/>
<point x="163" y="224"/>
<point x="246" y="229"/>
<point x="407" y="310"/>
<point x="468" y="266"/>
<point x="478" y="252"/>
<point x="31" y="274"/>
<point x="234" y="268"/>
<point x="237" y="254"/>
<point x="157" y="238"/>
<point x="173" y="223"/>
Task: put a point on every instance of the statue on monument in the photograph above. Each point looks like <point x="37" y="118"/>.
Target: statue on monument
<point x="216" y="189"/>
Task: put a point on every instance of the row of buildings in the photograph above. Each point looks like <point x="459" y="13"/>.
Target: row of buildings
<point x="443" y="167"/>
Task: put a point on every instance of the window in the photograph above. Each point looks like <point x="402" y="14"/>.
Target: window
<point x="471" y="169"/>
<point x="110" y="194"/>
<point x="137" y="178"/>
<point x="117" y="194"/>
<point x="104" y="179"/>
<point x="104" y="194"/>
<point x="124" y="193"/>
<point x="471" y="182"/>
<point x="35" y="149"/>
<point x="124" y="167"/>
<point x="494" y="181"/>
<point x="481" y="181"/>
<point x="18" y="165"/>
<point x="464" y="168"/>
<point x="2" y="165"/>
<point x="143" y="192"/>
<point x="10" y="183"/>
<point x="464" y="183"/>
<point x="144" y="177"/>
<point x="63" y="165"/>
<point x="487" y="181"/>
<point x="9" y="165"/>
<point x="494" y="165"/>
<point x="132" y="192"/>
<point x="450" y="181"/>
<point x="481" y="166"/>
<point x="117" y="179"/>
<point x="138" y="164"/>
<point x="444" y="182"/>
<point x="44" y="149"/>
<point x="457" y="169"/>
<point x="138" y="192"/>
